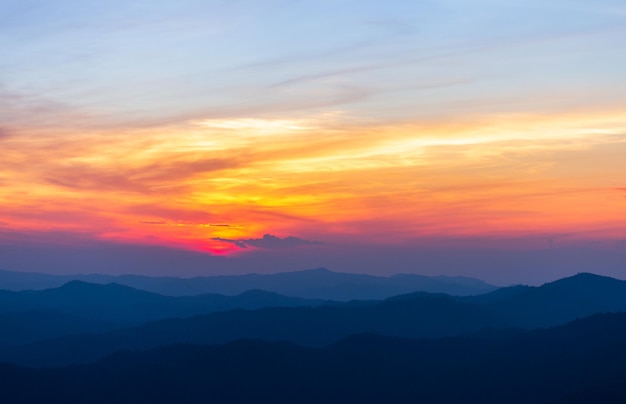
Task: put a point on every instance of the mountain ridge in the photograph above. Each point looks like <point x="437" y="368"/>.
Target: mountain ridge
<point x="578" y="362"/>
<point x="416" y="315"/>
<point x="317" y="283"/>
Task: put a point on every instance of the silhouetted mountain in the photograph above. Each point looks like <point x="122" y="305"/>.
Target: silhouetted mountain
<point x="79" y="307"/>
<point x="426" y="316"/>
<point x="498" y="295"/>
<point x="34" y="325"/>
<point x="557" y="302"/>
<point x="552" y="303"/>
<point x="413" y="315"/>
<point x="581" y="362"/>
<point x="312" y="284"/>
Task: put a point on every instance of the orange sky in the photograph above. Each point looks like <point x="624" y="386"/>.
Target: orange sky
<point x="205" y="126"/>
<point x="322" y="178"/>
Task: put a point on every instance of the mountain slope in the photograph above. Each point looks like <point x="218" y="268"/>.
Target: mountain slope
<point x="558" y="302"/>
<point x="414" y="315"/>
<point x="20" y="328"/>
<point x="546" y="366"/>
<point x="80" y="307"/>
<point x="428" y="316"/>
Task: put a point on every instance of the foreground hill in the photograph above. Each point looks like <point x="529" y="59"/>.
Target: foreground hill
<point x="312" y="284"/>
<point x="581" y="362"/>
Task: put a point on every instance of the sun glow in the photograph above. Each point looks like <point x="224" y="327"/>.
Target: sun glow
<point x="172" y="185"/>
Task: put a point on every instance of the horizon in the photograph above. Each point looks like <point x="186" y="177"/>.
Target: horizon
<point x="76" y="276"/>
<point x="201" y="138"/>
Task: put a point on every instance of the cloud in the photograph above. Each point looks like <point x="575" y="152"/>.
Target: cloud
<point x="330" y="74"/>
<point x="159" y="177"/>
<point x="238" y="243"/>
<point x="269" y="242"/>
<point x="188" y="223"/>
<point x="158" y="212"/>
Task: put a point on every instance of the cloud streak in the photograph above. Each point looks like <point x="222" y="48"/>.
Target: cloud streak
<point x="159" y="177"/>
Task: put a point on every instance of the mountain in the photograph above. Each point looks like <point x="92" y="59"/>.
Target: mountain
<point x="426" y="316"/>
<point x="24" y="327"/>
<point x="80" y="307"/>
<point x="415" y="315"/>
<point x="312" y="284"/>
<point x="580" y="362"/>
<point x="557" y="302"/>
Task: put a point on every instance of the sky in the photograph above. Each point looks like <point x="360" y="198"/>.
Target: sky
<point x="447" y="137"/>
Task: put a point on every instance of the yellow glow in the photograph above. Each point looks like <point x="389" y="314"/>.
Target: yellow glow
<point x="320" y="176"/>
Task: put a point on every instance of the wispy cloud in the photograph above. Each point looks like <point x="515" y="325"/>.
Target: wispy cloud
<point x="238" y="243"/>
<point x="159" y="177"/>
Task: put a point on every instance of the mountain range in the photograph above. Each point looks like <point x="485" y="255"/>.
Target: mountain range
<point x="581" y="362"/>
<point x="80" y="307"/>
<point x="317" y="283"/>
<point x="417" y="315"/>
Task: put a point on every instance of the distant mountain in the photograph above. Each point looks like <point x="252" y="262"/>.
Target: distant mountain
<point x="79" y="307"/>
<point x="581" y="362"/>
<point x="13" y="280"/>
<point x="426" y="316"/>
<point x="557" y="302"/>
<point x="312" y="284"/>
<point x="415" y="315"/>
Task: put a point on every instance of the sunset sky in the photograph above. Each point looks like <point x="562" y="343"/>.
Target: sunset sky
<point x="453" y="137"/>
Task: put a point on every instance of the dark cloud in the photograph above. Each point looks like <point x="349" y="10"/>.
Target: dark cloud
<point x="238" y="243"/>
<point x="153" y="222"/>
<point x="269" y="242"/>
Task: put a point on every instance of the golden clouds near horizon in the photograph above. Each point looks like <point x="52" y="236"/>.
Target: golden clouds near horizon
<point x="185" y="185"/>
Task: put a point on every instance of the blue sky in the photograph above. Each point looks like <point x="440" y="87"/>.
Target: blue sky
<point x="131" y="60"/>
